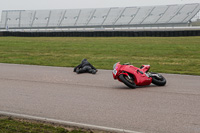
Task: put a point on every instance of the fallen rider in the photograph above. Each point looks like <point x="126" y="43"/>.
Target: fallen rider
<point x="85" y="67"/>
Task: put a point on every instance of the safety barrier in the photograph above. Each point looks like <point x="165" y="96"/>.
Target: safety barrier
<point x="104" y="33"/>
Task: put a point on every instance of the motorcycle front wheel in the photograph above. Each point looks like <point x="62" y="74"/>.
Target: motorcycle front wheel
<point x="129" y="82"/>
<point x="158" y="80"/>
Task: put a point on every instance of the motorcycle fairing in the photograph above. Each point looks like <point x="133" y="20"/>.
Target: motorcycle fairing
<point x="140" y="78"/>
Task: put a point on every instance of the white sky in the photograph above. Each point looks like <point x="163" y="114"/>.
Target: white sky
<point x="72" y="4"/>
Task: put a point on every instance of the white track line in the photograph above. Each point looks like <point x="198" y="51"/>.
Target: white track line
<point x="68" y="123"/>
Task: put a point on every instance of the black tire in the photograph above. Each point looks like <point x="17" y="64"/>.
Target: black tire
<point x="160" y="81"/>
<point x="127" y="81"/>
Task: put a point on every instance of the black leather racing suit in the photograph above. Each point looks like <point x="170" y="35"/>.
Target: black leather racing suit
<point x="85" y="66"/>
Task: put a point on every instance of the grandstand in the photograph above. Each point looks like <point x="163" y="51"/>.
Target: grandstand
<point x="100" y="19"/>
<point x="148" y="16"/>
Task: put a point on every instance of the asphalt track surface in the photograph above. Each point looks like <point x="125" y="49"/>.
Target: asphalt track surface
<point x="60" y="94"/>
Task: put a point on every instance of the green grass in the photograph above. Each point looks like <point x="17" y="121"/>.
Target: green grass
<point x="9" y="125"/>
<point x="180" y="55"/>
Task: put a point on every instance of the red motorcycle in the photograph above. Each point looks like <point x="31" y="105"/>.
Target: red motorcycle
<point x="133" y="76"/>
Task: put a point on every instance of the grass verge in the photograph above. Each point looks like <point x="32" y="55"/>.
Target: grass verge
<point x="178" y="55"/>
<point x="14" y="125"/>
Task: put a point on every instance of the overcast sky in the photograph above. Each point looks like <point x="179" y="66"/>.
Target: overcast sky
<point x="71" y="4"/>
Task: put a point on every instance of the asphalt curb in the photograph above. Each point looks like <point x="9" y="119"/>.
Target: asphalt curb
<point x="67" y="123"/>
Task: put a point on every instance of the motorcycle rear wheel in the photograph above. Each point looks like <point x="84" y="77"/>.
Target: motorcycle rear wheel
<point x="130" y="83"/>
<point x="160" y="81"/>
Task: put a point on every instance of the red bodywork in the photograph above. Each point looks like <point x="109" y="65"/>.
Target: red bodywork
<point x="139" y="74"/>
